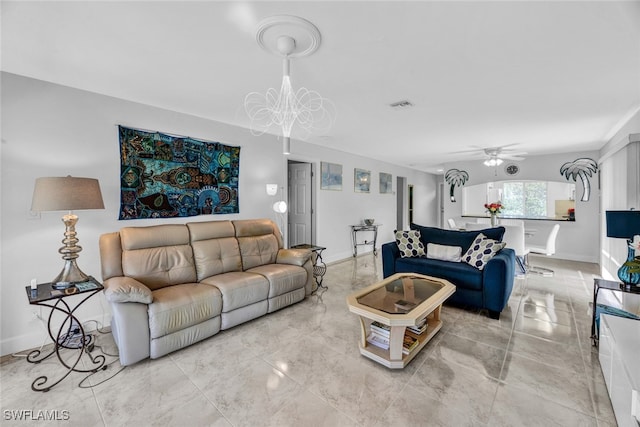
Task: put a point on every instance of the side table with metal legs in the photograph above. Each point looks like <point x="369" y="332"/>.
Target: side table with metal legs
<point x="66" y="337"/>
<point x="355" y="229"/>
<point x="319" y="266"/>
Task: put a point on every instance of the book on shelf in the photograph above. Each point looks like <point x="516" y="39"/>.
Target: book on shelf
<point x="382" y="332"/>
<point x="405" y="305"/>
<point x="417" y="330"/>
<point x="381" y="335"/>
<point x="381" y="325"/>
<point x="378" y="341"/>
<point x="409" y="344"/>
<point x="381" y="329"/>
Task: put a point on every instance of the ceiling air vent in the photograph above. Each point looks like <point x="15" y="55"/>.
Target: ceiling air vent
<point x="401" y="104"/>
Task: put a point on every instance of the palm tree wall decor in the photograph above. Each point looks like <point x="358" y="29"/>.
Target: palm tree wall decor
<point x="582" y="168"/>
<point x="455" y="178"/>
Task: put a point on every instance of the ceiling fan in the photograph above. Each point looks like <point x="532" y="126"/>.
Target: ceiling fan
<point x="495" y="156"/>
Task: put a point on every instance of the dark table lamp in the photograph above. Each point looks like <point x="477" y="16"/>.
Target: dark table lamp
<point x="624" y="225"/>
<point x="67" y="194"/>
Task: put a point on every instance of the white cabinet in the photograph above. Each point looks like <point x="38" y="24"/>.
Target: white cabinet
<point x="619" y="354"/>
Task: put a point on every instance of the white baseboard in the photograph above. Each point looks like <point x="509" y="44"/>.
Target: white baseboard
<point x="571" y="257"/>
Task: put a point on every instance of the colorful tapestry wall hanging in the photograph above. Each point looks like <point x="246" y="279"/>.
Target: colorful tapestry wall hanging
<point x="164" y="176"/>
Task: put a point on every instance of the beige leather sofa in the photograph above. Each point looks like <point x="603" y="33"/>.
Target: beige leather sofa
<point x="172" y="285"/>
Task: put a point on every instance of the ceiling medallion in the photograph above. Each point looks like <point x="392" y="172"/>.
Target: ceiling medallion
<point x="306" y="35"/>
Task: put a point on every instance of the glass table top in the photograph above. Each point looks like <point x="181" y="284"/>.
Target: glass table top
<point x="401" y="295"/>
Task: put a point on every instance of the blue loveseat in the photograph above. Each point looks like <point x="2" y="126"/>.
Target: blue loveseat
<point x="488" y="289"/>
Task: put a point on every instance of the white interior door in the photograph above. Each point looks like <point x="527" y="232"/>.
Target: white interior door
<point x="299" y="203"/>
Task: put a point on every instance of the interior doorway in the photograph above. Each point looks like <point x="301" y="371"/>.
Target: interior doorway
<point x="441" y="204"/>
<point x="401" y="195"/>
<point x="301" y="221"/>
<point x="410" y="204"/>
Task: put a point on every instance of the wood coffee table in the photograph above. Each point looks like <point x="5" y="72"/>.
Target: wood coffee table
<point x="422" y="296"/>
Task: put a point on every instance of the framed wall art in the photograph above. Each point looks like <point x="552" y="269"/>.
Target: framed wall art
<point x="331" y="176"/>
<point x="361" y="180"/>
<point x="385" y="183"/>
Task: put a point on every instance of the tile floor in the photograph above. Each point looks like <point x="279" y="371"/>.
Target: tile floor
<point x="301" y="367"/>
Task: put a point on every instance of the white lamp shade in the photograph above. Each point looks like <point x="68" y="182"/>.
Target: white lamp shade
<point x="272" y="189"/>
<point x="66" y="194"/>
<point x="280" y="207"/>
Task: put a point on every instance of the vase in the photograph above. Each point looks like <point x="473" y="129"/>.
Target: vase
<point x="624" y="273"/>
<point x="494" y="220"/>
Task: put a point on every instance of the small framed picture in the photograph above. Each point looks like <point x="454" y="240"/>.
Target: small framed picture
<point x="361" y="181"/>
<point x="331" y="176"/>
<point x="385" y="183"/>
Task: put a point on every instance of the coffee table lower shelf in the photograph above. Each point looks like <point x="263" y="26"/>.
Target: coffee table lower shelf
<point x="393" y="358"/>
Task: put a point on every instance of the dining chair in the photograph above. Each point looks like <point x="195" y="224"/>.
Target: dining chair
<point x="548" y="250"/>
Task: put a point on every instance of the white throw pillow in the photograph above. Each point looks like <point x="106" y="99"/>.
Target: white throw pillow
<point x="443" y="252"/>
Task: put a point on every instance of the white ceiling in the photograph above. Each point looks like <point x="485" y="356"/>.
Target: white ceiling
<point x="546" y="76"/>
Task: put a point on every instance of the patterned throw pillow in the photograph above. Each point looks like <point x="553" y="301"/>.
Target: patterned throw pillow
<point x="481" y="251"/>
<point x="409" y="244"/>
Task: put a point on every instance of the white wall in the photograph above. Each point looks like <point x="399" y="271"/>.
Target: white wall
<point x="577" y="240"/>
<point x="51" y="130"/>
<point x="340" y="209"/>
<point x="620" y="183"/>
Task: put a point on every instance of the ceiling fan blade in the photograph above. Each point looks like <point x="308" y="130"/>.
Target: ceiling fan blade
<point x="511" y="157"/>
<point x="478" y="150"/>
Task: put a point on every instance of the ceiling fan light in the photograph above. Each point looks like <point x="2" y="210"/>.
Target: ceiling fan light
<point x="493" y="162"/>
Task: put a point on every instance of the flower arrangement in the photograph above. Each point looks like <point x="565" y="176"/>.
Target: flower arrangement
<point x="494" y="208"/>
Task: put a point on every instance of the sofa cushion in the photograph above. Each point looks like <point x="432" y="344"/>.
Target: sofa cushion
<point x="459" y="273"/>
<point x="215" y="248"/>
<point x="239" y="288"/>
<point x="409" y="243"/>
<point x="177" y="307"/>
<point x="481" y="251"/>
<point x="160" y="267"/>
<point x="258" y="250"/>
<point x="259" y="241"/>
<point x="158" y="255"/>
<point x="444" y="252"/>
<point x="282" y="278"/>
<point x="455" y="237"/>
<point x="216" y="256"/>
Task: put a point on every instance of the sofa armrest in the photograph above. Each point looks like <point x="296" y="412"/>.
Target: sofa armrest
<point x="390" y="253"/>
<point x="497" y="277"/>
<point x="293" y="256"/>
<point x="301" y="258"/>
<point x="126" y="289"/>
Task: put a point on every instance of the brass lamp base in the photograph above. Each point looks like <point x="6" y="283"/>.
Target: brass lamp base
<point x="70" y="275"/>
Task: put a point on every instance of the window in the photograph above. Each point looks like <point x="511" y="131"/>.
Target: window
<point x="522" y="199"/>
<point x="527" y="199"/>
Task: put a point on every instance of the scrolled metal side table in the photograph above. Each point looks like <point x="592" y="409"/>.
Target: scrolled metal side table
<point x="319" y="266"/>
<point x="66" y="337"/>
